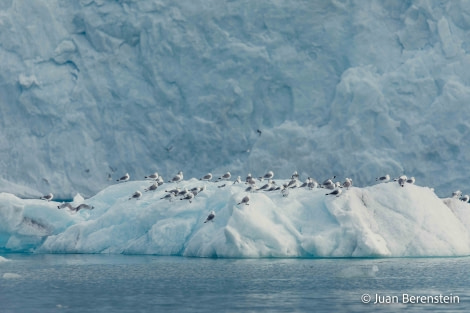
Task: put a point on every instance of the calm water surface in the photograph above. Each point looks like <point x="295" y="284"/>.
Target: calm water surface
<point x="118" y="283"/>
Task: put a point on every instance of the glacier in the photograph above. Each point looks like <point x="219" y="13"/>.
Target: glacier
<point x="92" y="89"/>
<point x="382" y="220"/>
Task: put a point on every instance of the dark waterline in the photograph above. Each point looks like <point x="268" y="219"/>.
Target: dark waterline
<point x="129" y="283"/>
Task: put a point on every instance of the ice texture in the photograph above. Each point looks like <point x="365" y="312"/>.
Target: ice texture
<point x="92" y="89"/>
<point x="383" y="220"/>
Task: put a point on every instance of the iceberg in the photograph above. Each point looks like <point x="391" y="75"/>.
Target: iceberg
<point x="383" y="220"/>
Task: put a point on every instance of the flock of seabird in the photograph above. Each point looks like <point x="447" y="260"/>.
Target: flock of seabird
<point x="185" y="194"/>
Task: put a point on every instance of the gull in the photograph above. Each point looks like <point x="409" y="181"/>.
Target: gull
<point x="251" y="181"/>
<point x="383" y="179"/>
<point x="312" y="184"/>
<point x="251" y="188"/>
<point x="152" y="187"/>
<point x="206" y="177"/>
<point x="268" y="175"/>
<point x="210" y="217"/>
<point x="124" y="178"/>
<point x="402" y="180"/>
<point x="160" y="181"/>
<point x="248" y="177"/>
<point x="335" y="192"/>
<point x="237" y="181"/>
<point x="465" y="198"/>
<point x="47" y="197"/>
<point x="285" y="191"/>
<point x="347" y="183"/>
<point x="82" y="206"/>
<point x="177" y="178"/>
<point x="168" y="196"/>
<point x="456" y="194"/>
<point x="226" y="176"/>
<point x="188" y="196"/>
<point x="153" y="176"/>
<point x="136" y="195"/>
<point x="267" y="186"/>
<point x="173" y="191"/>
<point x="244" y="200"/>
<point x="182" y="192"/>
<point x="292" y="183"/>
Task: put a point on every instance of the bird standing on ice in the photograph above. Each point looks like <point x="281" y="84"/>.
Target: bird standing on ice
<point x="47" y="197"/>
<point x="206" y="177"/>
<point x="347" y="183"/>
<point x="402" y="180"/>
<point x="210" y="217"/>
<point x="137" y="195"/>
<point x="335" y="192"/>
<point x="153" y="176"/>
<point x="268" y="175"/>
<point x="226" y="176"/>
<point x="237" y="181"/>
<point x="124" y="178"/>
<point x="456" y="194"/>
<point x="177" y="178"/>
<point x="152" y="187"/>
<point x="245" y="200"/>
<point x="465" y="198"/>
<point x="188" y="196"/>
<point x="383" y="179"/>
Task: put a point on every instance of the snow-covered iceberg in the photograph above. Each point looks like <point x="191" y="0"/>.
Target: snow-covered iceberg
<point x="383" y="220"/>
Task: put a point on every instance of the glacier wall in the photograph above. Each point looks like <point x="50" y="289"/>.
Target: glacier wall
<point x="383" y="220"/>
<point x="90" y="90"/>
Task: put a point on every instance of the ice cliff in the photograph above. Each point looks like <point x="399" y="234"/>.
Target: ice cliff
<point x="90" y="90"/>
<point x="383" y="220"/>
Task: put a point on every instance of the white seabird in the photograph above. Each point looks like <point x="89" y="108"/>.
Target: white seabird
<point x="177" y="178"/>
<point x="248" y="177"/>
<point x="207" y="177"/>
<point x="237" y="181"/>
<point x="456" y="194"/>
<point x="383" y="179"/>
<point x="245" y="200"/>
<point x="465" y="198"/>
<point x="153" y="176"/>
<point x="312" y="184"/>
<point x="160" y="181"/>
<point x="82" y="206"/>
<point x="268" y="175"/>
<point x="124" y="178"/>
<point x="137" y="195"/>
<point x="251" y="181"/>
<point x="226" y="176"/>
<point x="402" y="180"/>
<point x="152" y="187"/>
<point x="173" y="191"/>
<point x="210" y="217"/>
<point x="168" y="196"/>
<point x="47" y="197"/>
<point x="347" y="183"/>
<point x="335" y="192"/>
<point x="188" y="196"/>
<point x="267" y="186"/>
<point x="285" y="191"/>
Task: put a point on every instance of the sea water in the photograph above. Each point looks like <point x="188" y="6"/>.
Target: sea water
<point x="123" y="283"/>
